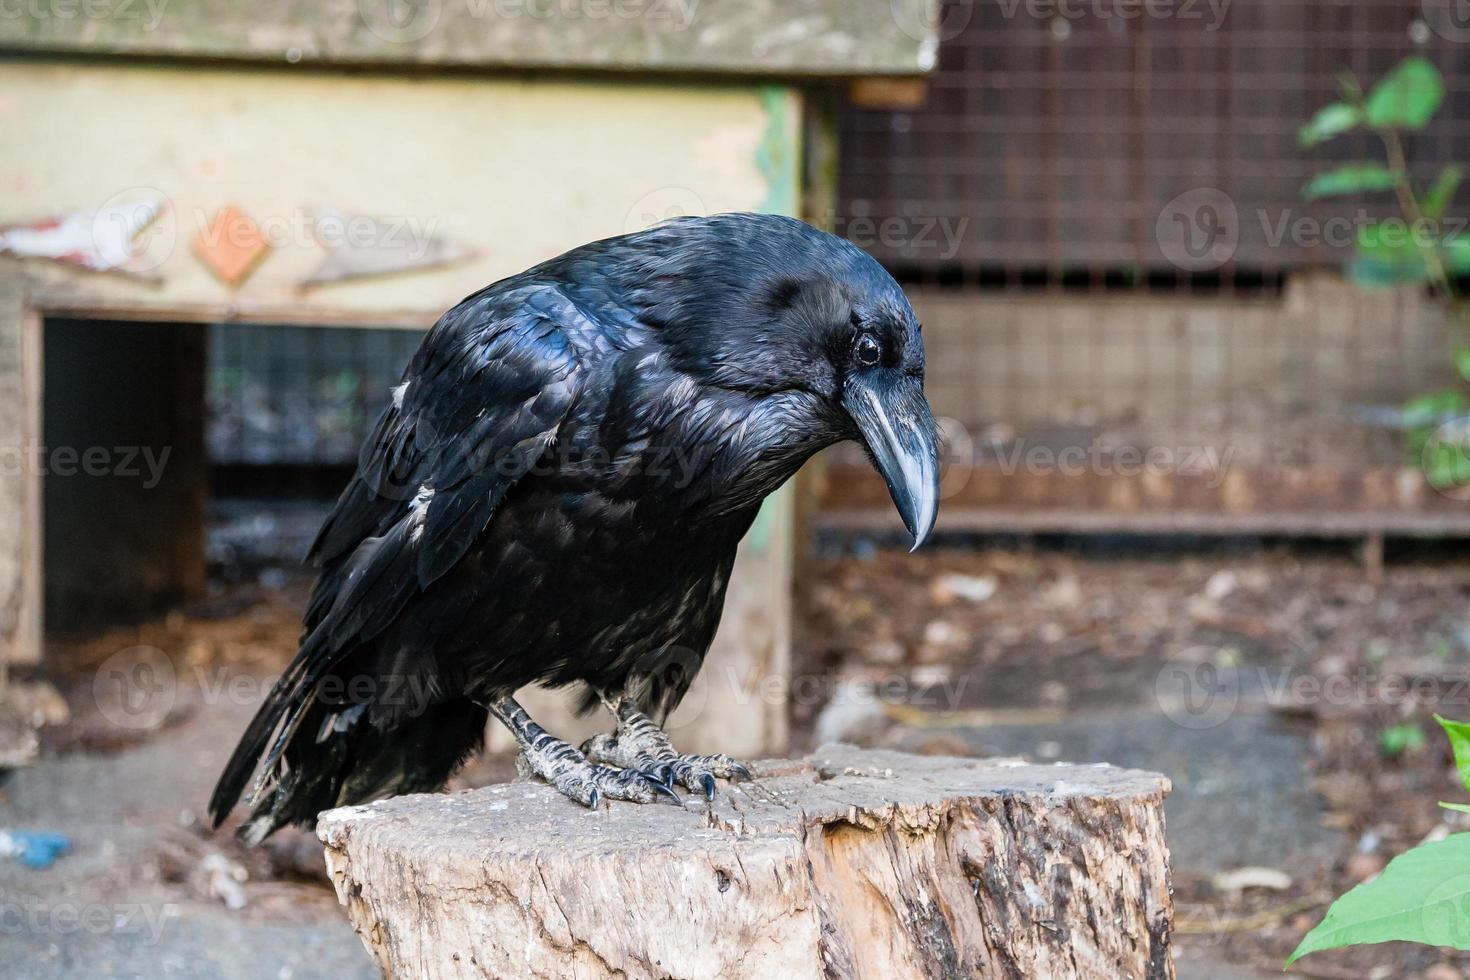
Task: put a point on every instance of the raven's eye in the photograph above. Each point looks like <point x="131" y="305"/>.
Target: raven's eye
<point x="867" y="350"/>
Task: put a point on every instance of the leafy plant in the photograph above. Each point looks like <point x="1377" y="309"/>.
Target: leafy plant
<point x="1407" y="249"/>
<point x="1422" y="896"/>
<point x="1398" y="739"/>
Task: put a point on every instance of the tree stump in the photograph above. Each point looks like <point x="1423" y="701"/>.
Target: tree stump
<point x="24" y="708"/>
<point x="851" y="863"/>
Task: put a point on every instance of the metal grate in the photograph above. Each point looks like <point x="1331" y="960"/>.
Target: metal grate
<point x="1036" y="208"/>
<point x="299" y="396"/>
<point x="1056" y="132"/>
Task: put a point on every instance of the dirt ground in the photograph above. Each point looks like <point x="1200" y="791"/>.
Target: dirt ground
<point x="1288" y="699"/>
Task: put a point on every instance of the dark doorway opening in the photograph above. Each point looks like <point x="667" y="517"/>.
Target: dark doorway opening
<point x="180" y="460"/>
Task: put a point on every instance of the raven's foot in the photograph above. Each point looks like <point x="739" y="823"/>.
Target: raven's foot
<point x="548" y="757"/>
<point x="641" y="746"/>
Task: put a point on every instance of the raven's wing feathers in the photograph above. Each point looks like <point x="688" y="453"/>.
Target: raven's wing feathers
<point x="481" y="402"/>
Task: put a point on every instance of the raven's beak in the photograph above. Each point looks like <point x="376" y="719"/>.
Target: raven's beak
<point x="894" y="419"/>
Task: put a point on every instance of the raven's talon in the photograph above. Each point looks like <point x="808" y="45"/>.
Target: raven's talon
<point x="575" y="787"/>
<point x="666" y="790"/>
<point x="664" y="781"/>
<point x="641" y="746"/>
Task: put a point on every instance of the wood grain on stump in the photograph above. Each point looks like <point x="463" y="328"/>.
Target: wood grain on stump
<point x="851" y="863"/>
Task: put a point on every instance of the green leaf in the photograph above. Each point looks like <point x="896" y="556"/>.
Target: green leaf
<point x="1372" y="272"/>
<point x="1423" y="896"/>
<point x="1459" y="734"/>
<point x="1459" y="807"/>
<point x="1445" y="462"/>
<point x="1354" y="178"/>
<point x="1456" y="252"/>
<point x="1406" y="97"/>
<point x="1330" y="121"/>
<point x="1440" y="454"/>
<point x="1387" y="241"/>
<point x="1397" y="740"/>
<point x="1442" y="191"/>
<point x="1432" y="408"/>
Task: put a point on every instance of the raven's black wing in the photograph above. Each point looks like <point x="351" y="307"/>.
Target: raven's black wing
<point x="482" y="400"/>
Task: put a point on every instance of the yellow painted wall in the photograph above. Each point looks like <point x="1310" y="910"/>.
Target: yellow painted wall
<point x="519" y="170"/>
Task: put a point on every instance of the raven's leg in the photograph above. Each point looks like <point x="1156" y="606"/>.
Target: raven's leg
<point x="640" y="745"/>
<point x="568" y="770"/>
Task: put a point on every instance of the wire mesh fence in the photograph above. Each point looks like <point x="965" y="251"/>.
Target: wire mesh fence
<point x="1099" y="213"/>
<point x="299" y="396"/>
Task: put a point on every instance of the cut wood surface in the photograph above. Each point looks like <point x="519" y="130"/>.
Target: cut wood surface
<point x="850" y="863"/>
<point x="19" y="742"/>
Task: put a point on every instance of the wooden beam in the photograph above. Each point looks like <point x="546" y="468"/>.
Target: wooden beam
<point x="742" y="38"/>
<point x="893" y="94"/>
<point x="20" y="483"/>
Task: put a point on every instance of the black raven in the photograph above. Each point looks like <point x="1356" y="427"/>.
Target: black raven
<point x="554" y="495"/>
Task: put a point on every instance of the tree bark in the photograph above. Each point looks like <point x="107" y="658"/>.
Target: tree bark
<point x="849" y="864"/>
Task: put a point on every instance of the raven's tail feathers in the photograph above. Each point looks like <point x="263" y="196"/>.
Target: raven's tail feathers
<point x="251" y="747"/>
<point x="330" y="756"/>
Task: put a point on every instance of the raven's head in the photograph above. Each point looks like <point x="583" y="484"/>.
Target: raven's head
<point x="774" y="307"/>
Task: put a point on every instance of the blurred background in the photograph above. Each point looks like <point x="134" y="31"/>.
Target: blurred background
<point x="1198" y="347"/>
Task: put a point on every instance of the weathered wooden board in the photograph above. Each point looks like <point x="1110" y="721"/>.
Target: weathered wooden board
<point x="514" y="171"/>
<point x="1285" y="500"/>
<point x="809" y="38"/>
<point x="20" y="514"/>
<point x="853" y="863"/>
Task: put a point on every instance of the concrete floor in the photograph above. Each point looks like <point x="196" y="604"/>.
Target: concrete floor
<point x="126" y="901"/>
